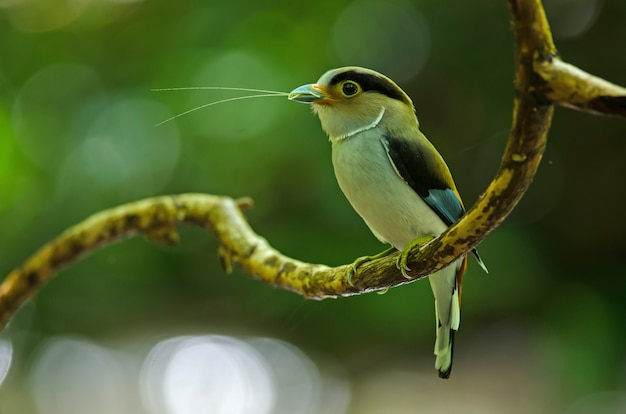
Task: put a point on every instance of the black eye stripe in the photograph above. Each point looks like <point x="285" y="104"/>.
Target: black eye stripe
<point x="370" y="82"/>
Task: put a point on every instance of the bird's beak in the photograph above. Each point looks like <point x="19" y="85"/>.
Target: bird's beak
<point x="307" y="94"/>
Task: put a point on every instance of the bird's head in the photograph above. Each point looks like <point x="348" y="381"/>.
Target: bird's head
<point x="351" y="99"/>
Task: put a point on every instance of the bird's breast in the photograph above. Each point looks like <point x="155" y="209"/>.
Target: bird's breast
<point x="393" y="211"/>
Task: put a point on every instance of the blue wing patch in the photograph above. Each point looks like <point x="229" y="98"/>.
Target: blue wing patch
<point x="446" y="204"/>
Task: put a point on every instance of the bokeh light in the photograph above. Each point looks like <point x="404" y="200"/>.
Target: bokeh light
<point x="72" y="376"/>
<point x="220" y="374"/>
<point x="182" y="374"/>
<point x="572" y="18"/>
<point x="122" y="152"/>
<point x="213" y="374"/>
<point x="240" y="119"/>
<point x="389" y="36"/>
<point x="301" y="387"/>
<point x="51" y="109"/>
<point x="37" y="16"/>
<point x="6" y="356"/>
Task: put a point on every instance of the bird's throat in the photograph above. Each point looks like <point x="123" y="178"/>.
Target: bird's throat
<point x="364" y="128"/>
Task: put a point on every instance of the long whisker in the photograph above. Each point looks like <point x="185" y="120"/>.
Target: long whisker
<point x="221" y="88"/>
<point x="238" y="98"/>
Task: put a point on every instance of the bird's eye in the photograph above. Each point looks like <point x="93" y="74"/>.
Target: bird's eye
<point x="349" y="88"/>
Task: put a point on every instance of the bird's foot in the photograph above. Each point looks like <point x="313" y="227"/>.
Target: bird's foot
<point x="364" y="259"/>
<point x="404" y="255"/>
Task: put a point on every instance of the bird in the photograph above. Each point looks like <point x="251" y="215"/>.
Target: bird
<point x="393" y="177"/>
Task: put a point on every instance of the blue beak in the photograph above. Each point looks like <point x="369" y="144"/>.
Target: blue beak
<point x="306" y="94"/>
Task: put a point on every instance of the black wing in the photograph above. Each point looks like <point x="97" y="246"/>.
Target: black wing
<point x="427" y="176"/>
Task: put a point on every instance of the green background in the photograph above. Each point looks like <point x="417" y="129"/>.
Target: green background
<point x="543" y="331"/>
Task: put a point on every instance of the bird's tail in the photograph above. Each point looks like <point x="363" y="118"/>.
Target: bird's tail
<point x="448" y="316"/>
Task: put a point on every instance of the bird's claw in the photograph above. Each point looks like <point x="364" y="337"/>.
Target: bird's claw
<point x="353" y="268"/>
<point x="401" y="264"/>
<point x="364" y="259"/>
<point x="403" y="258"/>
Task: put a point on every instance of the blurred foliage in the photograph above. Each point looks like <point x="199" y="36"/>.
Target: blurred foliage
<point x="77" y="136"/>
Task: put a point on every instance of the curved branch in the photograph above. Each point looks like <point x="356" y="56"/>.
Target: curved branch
<point x="532" y="116"/>
<point x="540" y="80"/>
<point x="157" y="218"/>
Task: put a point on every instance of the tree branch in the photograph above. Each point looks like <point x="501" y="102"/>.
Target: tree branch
<point x="571" y="87"/>
<point x="157" y="218"/>
<point x="541" y="80"/>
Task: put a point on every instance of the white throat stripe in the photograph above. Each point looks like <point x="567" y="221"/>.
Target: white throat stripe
<point x="374" y="124"/>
